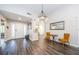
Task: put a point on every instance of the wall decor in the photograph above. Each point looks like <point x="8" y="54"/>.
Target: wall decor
<point x="57" y="25"/>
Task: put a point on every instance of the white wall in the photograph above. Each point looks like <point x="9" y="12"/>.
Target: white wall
<point x="78" y="32"/>
<point x="69" y="14"/>
<point x="18" y="31"/>
<point x="4" y="27"/>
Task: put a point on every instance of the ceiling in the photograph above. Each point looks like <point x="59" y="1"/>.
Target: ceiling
<point x="16" y="11"/>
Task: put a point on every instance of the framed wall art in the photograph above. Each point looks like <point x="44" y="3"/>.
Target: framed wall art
<point x="57" y="25"/>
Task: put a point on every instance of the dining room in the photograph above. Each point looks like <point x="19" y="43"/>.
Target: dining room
<point x="39" y="29"/>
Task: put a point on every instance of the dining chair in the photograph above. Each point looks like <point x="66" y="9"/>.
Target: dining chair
<point x="47" y="36"/>
<point x="65" y="39"/>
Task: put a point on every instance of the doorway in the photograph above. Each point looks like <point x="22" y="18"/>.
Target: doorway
<point x="18" y="30"/>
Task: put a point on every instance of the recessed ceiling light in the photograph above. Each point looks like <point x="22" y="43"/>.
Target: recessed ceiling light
<point x="29" y="13"/>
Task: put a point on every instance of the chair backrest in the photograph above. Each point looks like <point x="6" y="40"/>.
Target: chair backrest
<point x="47" y="33"/>
<point x="27" y="37"/>
<point x="66" y="36"/>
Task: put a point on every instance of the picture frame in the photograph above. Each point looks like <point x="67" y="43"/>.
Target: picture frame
<point x="57" y="25"/>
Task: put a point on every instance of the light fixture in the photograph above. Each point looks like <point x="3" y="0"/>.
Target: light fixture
<point x="29" y="14"/>
<point x="42" y="15"/>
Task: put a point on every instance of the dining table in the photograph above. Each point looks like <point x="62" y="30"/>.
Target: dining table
<point x="53" y="37"/>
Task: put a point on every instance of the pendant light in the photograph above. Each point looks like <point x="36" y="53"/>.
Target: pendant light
<point x="42" y="15"/>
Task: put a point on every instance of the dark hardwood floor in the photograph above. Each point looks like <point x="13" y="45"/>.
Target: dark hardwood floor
<point x="41" y="47"/>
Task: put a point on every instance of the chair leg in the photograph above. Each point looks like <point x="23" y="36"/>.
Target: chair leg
<point x="68" y="43"/>
<point x="63" y="45"/>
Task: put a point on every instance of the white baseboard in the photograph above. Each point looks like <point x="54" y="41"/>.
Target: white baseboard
<point x="75" y="45"/>
<point x="13" y="38"/>
<point x="34" y="39"/>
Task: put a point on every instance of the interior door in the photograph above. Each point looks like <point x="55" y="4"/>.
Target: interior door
<point x="18" y="30"/>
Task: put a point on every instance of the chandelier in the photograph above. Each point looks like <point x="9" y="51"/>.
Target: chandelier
<point x="42" y="15"/>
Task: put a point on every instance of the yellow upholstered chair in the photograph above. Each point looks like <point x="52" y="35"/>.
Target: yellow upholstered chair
<point x="65" y="39"/>
<point x="47" y="36"/>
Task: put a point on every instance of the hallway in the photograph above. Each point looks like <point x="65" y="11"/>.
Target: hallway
<point x="34" y="22"/>
<point x="22" y="47"/>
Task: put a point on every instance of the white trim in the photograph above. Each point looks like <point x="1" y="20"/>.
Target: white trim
<point x="75" y="45"/>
